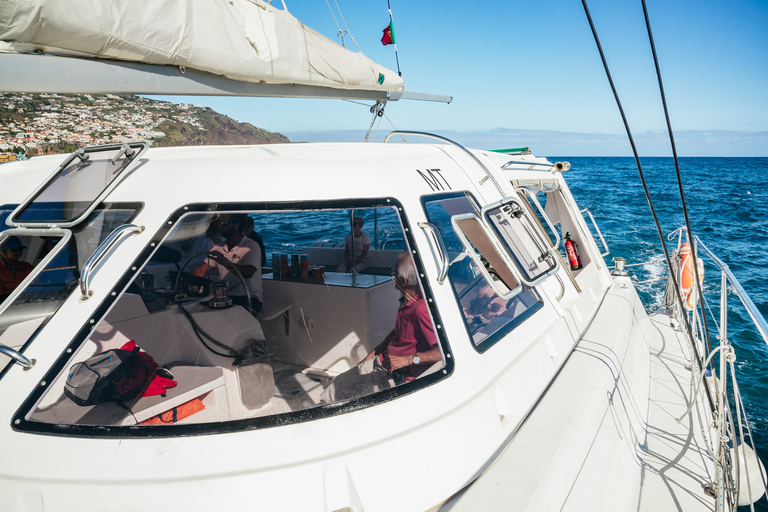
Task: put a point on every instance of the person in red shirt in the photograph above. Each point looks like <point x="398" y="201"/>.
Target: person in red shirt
<point x="407" y="352"/>
<point x="12" y="269"/>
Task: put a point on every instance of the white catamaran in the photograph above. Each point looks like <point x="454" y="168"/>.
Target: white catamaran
<point x="521" y="371"/>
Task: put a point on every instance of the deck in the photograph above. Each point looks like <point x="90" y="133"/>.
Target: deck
<point x="604" y="436"/>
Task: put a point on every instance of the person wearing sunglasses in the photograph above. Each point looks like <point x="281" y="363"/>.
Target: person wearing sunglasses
<point x="236" y="251"/>
<point x="361" y="242"/>
<point x="12" y="269"/>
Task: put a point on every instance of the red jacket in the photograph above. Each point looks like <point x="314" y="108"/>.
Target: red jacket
<point x="10" y="279"/>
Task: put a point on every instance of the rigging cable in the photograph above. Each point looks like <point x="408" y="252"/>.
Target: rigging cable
<point x="394" y="41"/>
<point x="377" y="111"/>
<point x="647" y="196"/>
<point x="346" y="28"/>
<point x="677" y="171"/>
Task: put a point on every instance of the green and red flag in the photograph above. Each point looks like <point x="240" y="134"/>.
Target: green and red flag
<point x="389" y="35"/>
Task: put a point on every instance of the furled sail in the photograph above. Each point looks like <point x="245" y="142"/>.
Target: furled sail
<point x="246" y="40"/>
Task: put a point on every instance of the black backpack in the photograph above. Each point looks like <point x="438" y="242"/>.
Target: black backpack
<point x="112" y="376"/>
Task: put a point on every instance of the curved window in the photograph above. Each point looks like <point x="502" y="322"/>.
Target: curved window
<point x="253" y="314"/>
<point x="491" y="298"/>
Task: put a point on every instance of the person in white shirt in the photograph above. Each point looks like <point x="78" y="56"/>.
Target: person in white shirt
<point x="236" y="251"/>
<point x="361" y="242"/>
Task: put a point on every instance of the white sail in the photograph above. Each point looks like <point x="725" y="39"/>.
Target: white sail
<point x="246" y="40"/>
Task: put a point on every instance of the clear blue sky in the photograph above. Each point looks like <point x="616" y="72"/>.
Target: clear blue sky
<point x="519" y="71"/>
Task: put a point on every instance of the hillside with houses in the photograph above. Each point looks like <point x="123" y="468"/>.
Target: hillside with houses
<point x="39" y="124"/>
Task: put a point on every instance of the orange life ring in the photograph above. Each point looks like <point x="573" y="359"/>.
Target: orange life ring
<point x="687" y="276"/>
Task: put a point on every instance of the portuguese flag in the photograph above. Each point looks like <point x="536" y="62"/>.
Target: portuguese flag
<point x="389" y="35"/>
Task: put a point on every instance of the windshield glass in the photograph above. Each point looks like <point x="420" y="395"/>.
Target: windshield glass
<point x="255" y="314"/>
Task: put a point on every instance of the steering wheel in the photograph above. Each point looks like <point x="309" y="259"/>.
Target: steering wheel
<point x="197" y="280"/>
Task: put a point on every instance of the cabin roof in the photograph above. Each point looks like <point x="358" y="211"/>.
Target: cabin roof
<point x="283" y="172"/>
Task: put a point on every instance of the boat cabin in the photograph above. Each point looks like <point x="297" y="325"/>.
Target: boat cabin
<point x="123" y="238"/>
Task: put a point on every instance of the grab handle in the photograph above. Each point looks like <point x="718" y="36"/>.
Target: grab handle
<point x="16" y="356"/>
<point x="443" y="253"/>
<point x="100" y="253"/>
<point x="597" y="228"/>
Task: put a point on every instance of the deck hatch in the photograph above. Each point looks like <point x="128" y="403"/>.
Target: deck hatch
<point x="77" y="187"/>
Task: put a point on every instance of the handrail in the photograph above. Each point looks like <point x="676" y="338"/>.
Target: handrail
<point x="16" y="356"/>
<point x="523" y="162"/>
<point x="757" y="318"/>
<point x="444" y="263"/>
<point x="100" y="252"/>
<point x="599" y="233"/>
<point x="449" y="141"/>
<point x="730" y="431"/>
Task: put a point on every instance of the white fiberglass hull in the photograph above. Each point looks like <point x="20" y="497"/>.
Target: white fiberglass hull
<point x="557" y="409"/>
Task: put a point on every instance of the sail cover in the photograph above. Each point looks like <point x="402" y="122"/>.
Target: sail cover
<point x="246" y="40"/>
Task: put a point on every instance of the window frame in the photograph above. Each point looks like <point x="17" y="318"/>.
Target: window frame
<point x="501" y="333"/>
<point x="21" y="423"/>
<point x="138" y="148"/>
<point x="545" y="244"/>
<point x="69" y="235"/>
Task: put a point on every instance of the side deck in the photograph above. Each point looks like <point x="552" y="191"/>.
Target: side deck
<point x="605" y="435"/>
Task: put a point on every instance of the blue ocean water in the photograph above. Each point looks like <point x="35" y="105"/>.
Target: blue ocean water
<point x="727" y="202"/>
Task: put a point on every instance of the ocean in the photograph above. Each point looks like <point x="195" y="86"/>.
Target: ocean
<point x="727" y="201"/>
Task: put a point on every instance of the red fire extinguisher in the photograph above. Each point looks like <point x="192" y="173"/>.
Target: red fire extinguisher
<point x="572" y="250"/>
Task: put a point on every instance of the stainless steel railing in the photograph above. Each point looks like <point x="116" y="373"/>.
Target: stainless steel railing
<point x="729" y="417"/>
<point x="728" y="277"/>
<point x="733" y="451"/>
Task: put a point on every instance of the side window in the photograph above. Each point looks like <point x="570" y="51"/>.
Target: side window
<point x="40" y="269"/>
<point x="491" y="298"/>
<point x="255" y="314"/>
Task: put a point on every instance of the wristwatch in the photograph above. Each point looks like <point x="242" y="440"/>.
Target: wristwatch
<point x="416" y="359"/>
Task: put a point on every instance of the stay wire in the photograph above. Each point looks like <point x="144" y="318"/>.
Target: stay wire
<point x="392" y="24"/>
<point x="677" y="171"/>
<point x="647" y="193"/>
<point x="346" y="28"/>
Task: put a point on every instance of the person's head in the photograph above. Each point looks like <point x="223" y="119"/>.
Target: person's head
<point x="357" y="223"/>
<point x="12" y="248"/>
<point x="232" y="224"/>
<point x="248" y="225"/>
<point x="406" y="276"/>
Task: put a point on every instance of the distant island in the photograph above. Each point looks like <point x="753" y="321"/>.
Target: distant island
<point x="40" y="124"/>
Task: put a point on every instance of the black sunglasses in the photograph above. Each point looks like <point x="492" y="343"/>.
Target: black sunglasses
<point x="225" y="222"/>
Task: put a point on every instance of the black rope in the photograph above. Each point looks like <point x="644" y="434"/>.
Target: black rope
<point x="686" y="321"/>
<point x="253" y="352"/>
<point x="199" y="331"/>
<point x="690" y="233"/>
<point x="679" y="180"/>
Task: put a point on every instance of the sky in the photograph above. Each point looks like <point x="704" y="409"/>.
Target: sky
<point x="529" y="74"/>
